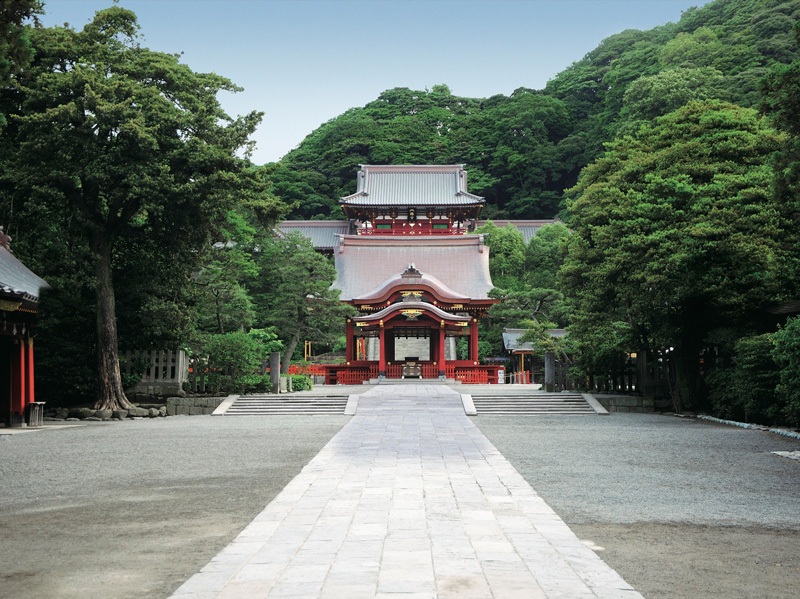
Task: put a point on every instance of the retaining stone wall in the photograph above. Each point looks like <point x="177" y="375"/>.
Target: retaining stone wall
<point x="192" y="406"/>
<point x="625" y="403"/>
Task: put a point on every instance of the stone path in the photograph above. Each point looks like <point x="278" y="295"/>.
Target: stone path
<point x="408" y="500"/>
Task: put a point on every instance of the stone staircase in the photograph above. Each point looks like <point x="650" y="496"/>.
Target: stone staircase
<point x="284" y="405"/>
<point x="531" y="403"/>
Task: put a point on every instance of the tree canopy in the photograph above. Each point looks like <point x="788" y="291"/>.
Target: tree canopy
<point x="524" y="150"/>
<point x="677" y="234"/>
<point x="122" y="155"/>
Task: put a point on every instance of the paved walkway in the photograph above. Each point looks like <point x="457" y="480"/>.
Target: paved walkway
<point x="408" y="500"/>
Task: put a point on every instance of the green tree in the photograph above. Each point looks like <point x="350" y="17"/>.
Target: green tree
<point x="133" y="147"/>
<point x="676" y="234"/>
<point x="782" y="104"/>
<point x="506" y="253"/>
<point x="15" y="45"/>
<point x="293" y="293"/>
<point x="544" y="255"/>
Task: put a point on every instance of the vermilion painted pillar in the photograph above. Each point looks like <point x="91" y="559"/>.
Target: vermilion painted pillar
<point x="349" y="341"/>
<point x="441" y="351"/>
<point x="18" y="383"/>
<point x="29" y="370"/>
<point x="473" y="340"/>
<point x="382" y="360"/>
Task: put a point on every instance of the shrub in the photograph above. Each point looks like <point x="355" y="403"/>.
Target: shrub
<point x="786" y="353"/>
<point x="301" y="382"/>
<point x="746" y="390"/>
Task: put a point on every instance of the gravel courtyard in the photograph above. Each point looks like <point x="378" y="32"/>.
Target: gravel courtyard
<point x="680" y="508"/>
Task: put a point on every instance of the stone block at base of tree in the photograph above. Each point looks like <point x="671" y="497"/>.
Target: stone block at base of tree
<point x="81" y="413"/>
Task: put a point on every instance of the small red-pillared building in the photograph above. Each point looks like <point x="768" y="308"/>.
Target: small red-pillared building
<point x="419" y="282"/>
<point x="20" y="290"/>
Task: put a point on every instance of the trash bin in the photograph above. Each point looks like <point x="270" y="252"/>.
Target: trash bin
<point x="34" y="413"/>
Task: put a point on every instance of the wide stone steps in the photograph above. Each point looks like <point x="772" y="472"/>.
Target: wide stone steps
<point x="535" y="403"/>
<point x="281" y="405"/>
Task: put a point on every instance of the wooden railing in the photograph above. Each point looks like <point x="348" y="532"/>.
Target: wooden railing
<point x="360" y="372"/>
<point x="471" y="376"/>
<point x="430" y="371"/>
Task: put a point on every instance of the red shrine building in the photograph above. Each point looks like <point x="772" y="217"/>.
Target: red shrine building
<point x="20" y="290"/>
<point x="419" y="282"/>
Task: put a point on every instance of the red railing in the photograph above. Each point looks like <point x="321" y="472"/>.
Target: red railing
<point x="352" y="377"/>
<point x="472" y="377"/>
<point x="308" y="369"/>
<point x="430" y="371"/>
<point x="358" y="373"/>
<point x="411" y="231"/>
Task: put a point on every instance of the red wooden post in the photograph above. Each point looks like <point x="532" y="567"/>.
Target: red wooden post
<point x="18" y="383"/>
<point x="30" y="394"/>
<point x="349" y="341"/>
<point x="473" y="340"/>
<point x="382" y="360"/>
<point x="441" y="351"/>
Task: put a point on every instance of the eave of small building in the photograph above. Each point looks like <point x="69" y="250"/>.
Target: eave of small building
<point x="18" y="283"/>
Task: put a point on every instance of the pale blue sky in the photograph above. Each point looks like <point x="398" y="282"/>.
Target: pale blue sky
<point x="303" y="62"/>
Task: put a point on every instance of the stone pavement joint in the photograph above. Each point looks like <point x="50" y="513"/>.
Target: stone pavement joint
<point x="408" y="500"/>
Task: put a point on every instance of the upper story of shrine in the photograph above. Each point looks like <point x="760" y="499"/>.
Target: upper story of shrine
<point x="411" y="200"/>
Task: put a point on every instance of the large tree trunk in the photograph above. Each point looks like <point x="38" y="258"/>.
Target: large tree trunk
<point x="287" y="357"/>
<point x="110" y="395"/>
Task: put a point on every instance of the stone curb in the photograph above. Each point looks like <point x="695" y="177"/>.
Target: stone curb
<point x="757" y="427"/>
<point x="596" y="405"/>
<point x="469" y="406"/>
<point x="352" y="405"/>
<point x="225" y="405"/>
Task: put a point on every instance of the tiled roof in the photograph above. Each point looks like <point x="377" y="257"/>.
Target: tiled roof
<point x="412" y="185"/>
<point x="324" y="234"/>
<point x="16" y="280"/>
<point x="528" y="228"/>
<point x="460" y="262"/>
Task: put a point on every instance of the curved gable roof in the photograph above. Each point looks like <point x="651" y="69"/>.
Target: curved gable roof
<point x="459" y="264"/>
<point x="439" y="289"/>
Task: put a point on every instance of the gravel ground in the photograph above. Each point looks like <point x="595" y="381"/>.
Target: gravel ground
<point x="681" y="508"/>
<point x="124" y="510"/>
<point x="132" y="509"/>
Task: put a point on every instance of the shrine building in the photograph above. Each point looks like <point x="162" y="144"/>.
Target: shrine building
<point x="420" y="283"/>
<point x="20" y="290"/>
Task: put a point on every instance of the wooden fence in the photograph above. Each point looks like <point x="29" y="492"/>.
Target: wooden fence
<point x="159" y="366"/>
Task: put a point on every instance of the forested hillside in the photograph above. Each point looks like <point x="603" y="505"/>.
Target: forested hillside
<point x="523" y="150"/>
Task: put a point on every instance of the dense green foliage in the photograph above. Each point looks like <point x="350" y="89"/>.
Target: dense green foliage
<point x="524" y="150"/>
<point x="118" y="159"/>
<point x="235" y="359"/>
<point x="786" y="354"/>
<point x="677" y="234"/>
<point x="15" y="45"/>
<point x="125" y="189"/>
<point x="745" y="391"/>
<point x="292" y="292"/>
